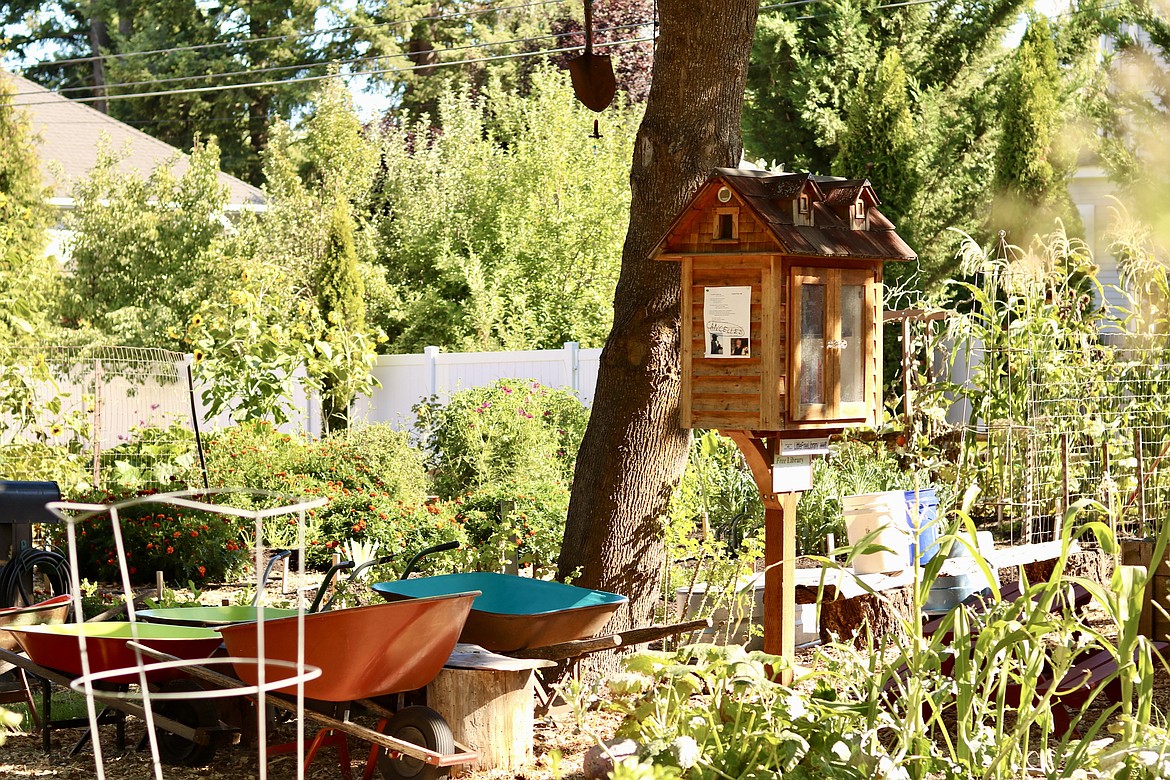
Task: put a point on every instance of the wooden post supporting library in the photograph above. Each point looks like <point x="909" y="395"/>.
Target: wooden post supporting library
<point x="779" y="546"/>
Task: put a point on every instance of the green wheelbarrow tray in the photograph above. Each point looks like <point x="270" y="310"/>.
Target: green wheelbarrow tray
<point x="516" y="613"/>
<point x="212" y="616"/>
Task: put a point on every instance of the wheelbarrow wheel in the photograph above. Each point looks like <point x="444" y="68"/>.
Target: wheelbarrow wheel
<point x="196" y="713"/>
<point x="421" y="726"/>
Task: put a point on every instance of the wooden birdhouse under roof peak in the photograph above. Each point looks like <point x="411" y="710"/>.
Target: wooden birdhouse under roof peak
<point x="781" y="301"/>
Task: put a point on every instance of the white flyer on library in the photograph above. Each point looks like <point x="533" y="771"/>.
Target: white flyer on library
<point x="727" y="319"/>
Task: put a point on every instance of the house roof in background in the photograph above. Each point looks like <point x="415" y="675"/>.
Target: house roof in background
<point x="70" y="132"/>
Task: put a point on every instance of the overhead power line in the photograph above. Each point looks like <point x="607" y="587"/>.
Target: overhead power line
<point x="313" y="34"/>
<point x="348" y="61"/>
<point x="375" y="72"/>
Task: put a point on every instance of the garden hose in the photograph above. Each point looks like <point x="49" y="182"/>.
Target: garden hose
<point x="49" y="563"/>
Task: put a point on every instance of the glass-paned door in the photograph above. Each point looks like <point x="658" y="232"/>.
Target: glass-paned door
<point x="833" y="343"/>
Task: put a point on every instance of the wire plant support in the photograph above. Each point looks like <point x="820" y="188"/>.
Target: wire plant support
<point x="145" y="661"/>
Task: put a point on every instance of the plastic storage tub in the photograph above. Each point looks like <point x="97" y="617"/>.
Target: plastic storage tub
<point x="922" y="519"/>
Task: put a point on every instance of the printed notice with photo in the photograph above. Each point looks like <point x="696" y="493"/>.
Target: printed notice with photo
<point x="727" y="319"/>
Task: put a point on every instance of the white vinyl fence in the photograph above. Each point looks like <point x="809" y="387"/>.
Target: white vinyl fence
<point x="408" y="379"/>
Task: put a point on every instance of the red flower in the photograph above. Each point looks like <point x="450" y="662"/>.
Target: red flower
<point x="170" y="551"/>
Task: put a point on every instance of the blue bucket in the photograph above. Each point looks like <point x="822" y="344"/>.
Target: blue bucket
<point x="921" y="517"/>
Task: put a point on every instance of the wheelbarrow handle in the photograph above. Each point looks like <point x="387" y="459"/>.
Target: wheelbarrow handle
<point x="328" y="579"/>
<point x="277" y="556"/>
<point x="444" y="547"/>
<point x="353" y="575"/>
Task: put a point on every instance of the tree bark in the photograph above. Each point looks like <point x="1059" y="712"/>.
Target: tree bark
<point x="99" y="42"/>
<point x="634" y="450"/>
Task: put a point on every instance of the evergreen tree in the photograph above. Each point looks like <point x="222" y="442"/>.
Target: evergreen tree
<point x="338" y="284"/>
<point x="813" y="74"/>
<point x="880" y="141"/>
<point x="1030" y="167"/>
<point x="339" y="299"/>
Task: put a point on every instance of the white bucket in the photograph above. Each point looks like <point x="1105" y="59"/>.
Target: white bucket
<point x="885" y="513"/>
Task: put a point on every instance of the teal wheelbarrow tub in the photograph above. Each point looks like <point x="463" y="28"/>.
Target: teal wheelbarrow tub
<point x="515" y="613"/>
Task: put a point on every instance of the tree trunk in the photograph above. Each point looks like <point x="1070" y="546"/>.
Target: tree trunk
<point x="260" y="98"/>
<point x="634" y="450"/>
<point x="99" y="42"/>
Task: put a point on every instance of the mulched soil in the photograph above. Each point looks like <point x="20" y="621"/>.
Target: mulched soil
<point x="558" y="752"/>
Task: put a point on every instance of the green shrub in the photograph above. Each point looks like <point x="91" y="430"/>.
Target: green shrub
<point x="368" y="457"/>
<point x="515" y="429"/>
<point x="183" y="544"/>
<point x="717" y="488"/>
<point x="249" y="455"/>
<point x="374" y="479"/>
<point x="529" y="532"/>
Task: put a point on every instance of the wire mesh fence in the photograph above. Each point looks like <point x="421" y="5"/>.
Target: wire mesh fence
<point x="104" y="416"/>
<point x="1088" y="424"/>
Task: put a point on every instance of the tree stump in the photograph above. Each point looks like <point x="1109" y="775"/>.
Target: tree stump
<point x="884" y="614"/>
<point x="489" y="706"/>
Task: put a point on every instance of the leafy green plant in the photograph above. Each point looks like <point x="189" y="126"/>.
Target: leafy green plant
<point x="514" y="429"/>
<point x="246" y="352"/>
<point x="169" y="597"/>
<point x="717" y="490"/>
<point x="154" y="455"/>
<point x="715" y="712"/>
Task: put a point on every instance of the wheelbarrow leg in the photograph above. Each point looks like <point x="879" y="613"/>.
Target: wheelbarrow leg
<point x="46" y="715"/>
<point x="330" y="737"/>
<point x="372" y="759"/>
<point x="325" y="736"/>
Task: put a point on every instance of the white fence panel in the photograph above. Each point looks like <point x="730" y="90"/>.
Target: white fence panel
<point x="589" y="364"/>
<point x="408" y="379"/>
<point x="405" y="380"/>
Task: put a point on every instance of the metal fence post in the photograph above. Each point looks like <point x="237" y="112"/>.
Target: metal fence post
<point x="432" y="355"/>
<point x="573" y="359"/>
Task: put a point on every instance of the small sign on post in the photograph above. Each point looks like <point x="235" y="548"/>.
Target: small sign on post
<point x="791" y="474"/>
<point x="808" y="446"/>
